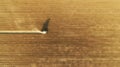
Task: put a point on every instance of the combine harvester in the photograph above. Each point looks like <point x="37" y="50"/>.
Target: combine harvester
<point x="44" y="30"/>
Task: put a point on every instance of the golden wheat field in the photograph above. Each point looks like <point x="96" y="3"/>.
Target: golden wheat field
<point x="82" y="33"/>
